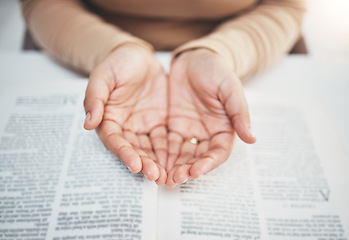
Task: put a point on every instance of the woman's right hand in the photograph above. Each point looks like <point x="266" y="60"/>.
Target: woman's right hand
<point x="126" y="101"/>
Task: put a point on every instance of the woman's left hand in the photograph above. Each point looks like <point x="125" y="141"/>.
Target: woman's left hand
<point x="206" y="103"/>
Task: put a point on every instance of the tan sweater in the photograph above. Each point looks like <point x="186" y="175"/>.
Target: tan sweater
<point x="247" y="33"/>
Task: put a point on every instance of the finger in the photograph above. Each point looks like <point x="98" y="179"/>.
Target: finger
<point x="170" y="181"/>
<point x="182" y="174"/>
<point x="140" y="151"/>
<point x="188" y="150"/>
<point x="233" y="98"/>
<point x="145" y="145"/>
<point x="241" y="124"/>
<point x="219" y="151"/>
<point x="163" y="176"/>
<point x="132" y="138"/>
<point x="150" y="168"/>
<point x="96" y="96"/>
<point x="158" y="138"/>
<point x="202" y="148"/>
<point x="174" y="146"/>
<point x="111" y="135"/>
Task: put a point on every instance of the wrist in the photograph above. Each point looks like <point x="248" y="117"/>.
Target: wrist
<point x="196" y="55"/>
<point x="195" y="51"/>
<point x="134" y="47"/>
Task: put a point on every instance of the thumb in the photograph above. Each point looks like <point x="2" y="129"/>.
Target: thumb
<point x="233" y="99"/>
<point x="96" y="96"/>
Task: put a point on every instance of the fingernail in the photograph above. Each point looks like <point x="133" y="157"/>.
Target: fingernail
<point x="185" y="181"/>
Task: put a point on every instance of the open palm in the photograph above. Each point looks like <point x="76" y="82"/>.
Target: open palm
<point x="206" y="102"/>
<point x="127" y="99"/>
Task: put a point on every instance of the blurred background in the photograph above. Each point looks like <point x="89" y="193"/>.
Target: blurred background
<point x="325" y="28"/>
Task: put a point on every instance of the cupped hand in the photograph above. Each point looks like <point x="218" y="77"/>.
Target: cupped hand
<point x="126" y="101"/>
<point x="206" y="102"/>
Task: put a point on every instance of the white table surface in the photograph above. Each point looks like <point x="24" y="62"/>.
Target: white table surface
<point x="328" y="78"/>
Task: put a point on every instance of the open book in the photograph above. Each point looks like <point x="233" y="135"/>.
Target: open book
<point x="57" y="180"/>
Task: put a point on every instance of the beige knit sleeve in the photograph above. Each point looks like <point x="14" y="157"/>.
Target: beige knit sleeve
<point x="255" y="38"/>
<point x="71" y="34"/>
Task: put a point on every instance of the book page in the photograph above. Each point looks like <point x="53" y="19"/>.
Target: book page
<point x="291" y="184"/>
<point x="57" y="180"/>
